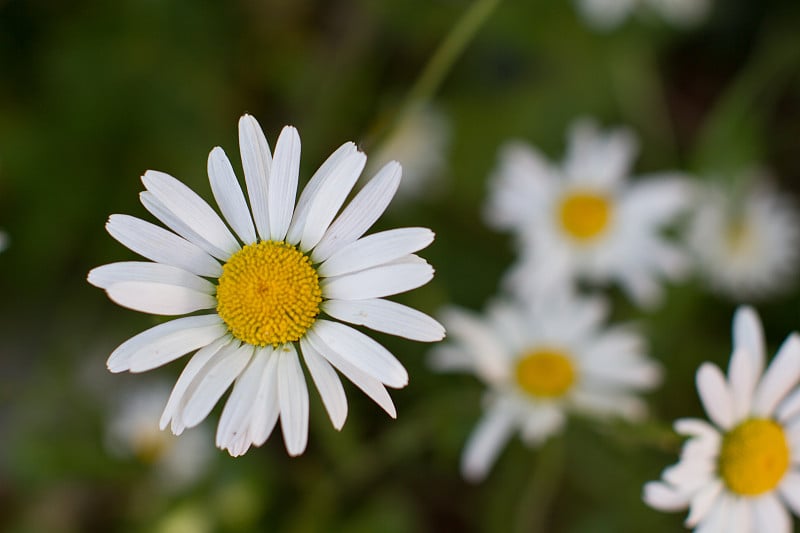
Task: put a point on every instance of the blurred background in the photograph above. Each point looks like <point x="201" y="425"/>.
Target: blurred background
<point x="94" y="93"/>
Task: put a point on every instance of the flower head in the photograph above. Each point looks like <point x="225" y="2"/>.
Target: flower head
<point x="739" y="472"/>
<point x="582" y="220"/>
<point x="540" y="362"/>
<point x="133" y="432"/>
<point x="281" y="283"/>
<point x="746" y="246"/>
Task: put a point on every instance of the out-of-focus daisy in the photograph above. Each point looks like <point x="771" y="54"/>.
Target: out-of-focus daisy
<point x="608" y="14"/>
<point x="419" y="142"/>
<point x="539" y="362"/>
<point x="3" y="240"/>
<point x="747" y="245"/>
<point x="133" y="432"/>
<point x="288" y="280"/>
<point x="581" y="219"/>
<point x="740" y="472"/>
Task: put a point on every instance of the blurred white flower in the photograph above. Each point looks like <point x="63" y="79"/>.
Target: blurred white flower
<point x="419" y="141"/>
<point x="133" y="432"/>
<point x="539" y="362"/>
<point x="3" y="240"/>
<point x="269" y="289"/>
<point x="608" y="14"/>
<point x="746" y="245"/>
<point x="582" y="220"/>
<point x="740" y="472"/>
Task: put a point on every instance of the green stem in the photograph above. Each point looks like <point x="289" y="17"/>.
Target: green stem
<point x="538" y="495"/>
<point x="746" y="102"/>
<point x="449" y="51"/>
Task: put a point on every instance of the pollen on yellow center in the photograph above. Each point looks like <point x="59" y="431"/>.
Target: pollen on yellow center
<point x="584" y="215"/>
<point x="545" y="373"/>
<point x="754" y="457"/>
<point x="268" y="293"/>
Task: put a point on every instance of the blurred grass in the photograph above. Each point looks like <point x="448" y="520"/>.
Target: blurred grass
<point x="93" y="93"/>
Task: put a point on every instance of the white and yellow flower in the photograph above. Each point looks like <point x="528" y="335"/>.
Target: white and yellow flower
<point x="540" y="362"/>
<point x="581" y="220"/>
<point x="608" y="14"/>
<point x="740" y="472"/>
<point x="747" y="245"/>
<point x="133" y="432"/>
<point x="287" y="279"/>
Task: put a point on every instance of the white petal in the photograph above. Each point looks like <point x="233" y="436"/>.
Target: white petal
<point x="233" y="431"/>
<point x="598" y="158"/>
<point x="702" y="503"/>
<point x="159" y="298"/>
<point x="487" y="441"/>
<point x="748" y="333"/>
<point x="161" y="246"/>
<point x="256" y="161"/>
<point x="304" y="203"/>
<point x="694" y="427"/>
<point x="771" y="515"/>
<point x="740" y="516"/>
<point x="377" y="282"/>
<point x="376" y="249"/>
<point x="328" y="384"/>
<point x="361" y="213"/>
<point x="782" y="374"/>
<point x="187" y="378"/>
<point x="485" y="350"/>
<point x="663" y="497"/>
<point x="718" y="518"/>
<point x="191" y="209"/>
<point x="107" y="275"/>
<point x="171" y="220"/>
<point x="266" y="416"/>
<point x="369" y="385"/>
<point x="293" y="399"/>
<point x="163" y="343"/>
<point x="329" y="198"/>
<point x="282" y="186"/>
<point x="715" y="395"/>
<point x="790" y="407"/>
<point x="214" y="380"/>
<point x="362" y="352"/>
<point x="541" y="423"/>
<point x="228" y="195"/>
<point x="790" y="491"/>
<point x="386" y="316"/>
<point x="743" y="380"/>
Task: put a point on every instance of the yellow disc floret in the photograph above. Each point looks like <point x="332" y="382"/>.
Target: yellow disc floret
<point x="545" y="373"/>
<point x="268" y="293"/>
<point x="754" y="457"/>
<point x="584" y="215"/>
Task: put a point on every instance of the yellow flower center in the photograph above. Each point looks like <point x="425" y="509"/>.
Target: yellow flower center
<point x="545" y="373"/>
<point x="584" y="215"/>
<point x="754" y="457"/>
<point x="268" y="294"/>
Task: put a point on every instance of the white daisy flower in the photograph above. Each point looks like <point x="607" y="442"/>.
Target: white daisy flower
<point x="746" y="245"/>
<point x="540" y="362"/>
<point x="289" y="281"/>
<point x="740" y="472"/>
<point x="419" y="142"/>
<point x="582" y="220"/>
<point x="606" y="15"/>
<point x="133" y="432"/>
